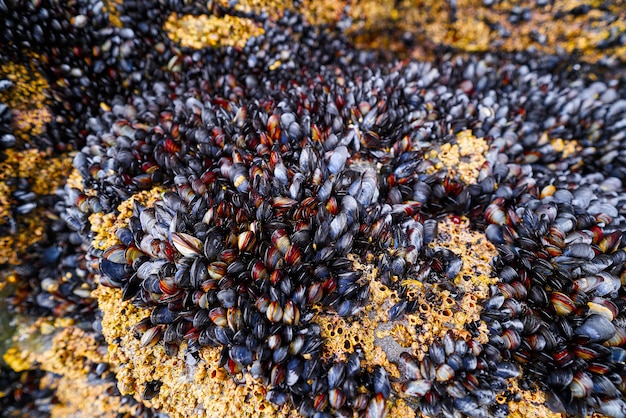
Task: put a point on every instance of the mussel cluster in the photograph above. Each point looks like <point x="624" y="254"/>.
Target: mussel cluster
<point x="284" y="163"/>
<point x="20" y="390"/>
<point x="560" y="309"/>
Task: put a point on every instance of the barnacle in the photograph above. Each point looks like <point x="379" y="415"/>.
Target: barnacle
<point x="27" y="97"/>
<point x="201" y="31"/>
<point x="43" y="179"/>
<point x="274" y="8"/>
<point x="463" y="157"/>
<point x="582" y="27"/>
<point x="70" y="357"/>
<point x="105" y="225"/>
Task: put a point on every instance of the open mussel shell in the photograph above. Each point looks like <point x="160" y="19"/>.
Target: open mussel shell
<point x="187" y="245"/>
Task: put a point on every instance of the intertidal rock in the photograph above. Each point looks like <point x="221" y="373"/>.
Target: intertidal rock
<point x="289" y="221"/>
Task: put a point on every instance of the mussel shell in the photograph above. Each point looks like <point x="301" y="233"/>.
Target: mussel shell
<point x="596" y="328"/>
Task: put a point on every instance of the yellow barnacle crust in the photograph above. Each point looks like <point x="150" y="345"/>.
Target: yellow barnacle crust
<point x="475" y="275"/>
<point x="341" y="335"/>
<point x="401" y="409"/>
<point x="527" y="403"/>
<point x="211" y="31"/>
<point x="5" y="202"/>
<point x="26" y="97"/>
<point x="44" y="174"/>
<point x="319" y="12"/>
<point x="382" y="341"/>
<point x="468" y="26"/>
<point x="274" y="8"/>
<point x="75" y="180"/>
<point x="105" y="225"/>
<point x="67" y="354"/>
<point x="112" y="8"/>
<point x="29" y="231"/>
<point x="200" y="390"/>
<point x="464" y="156"/>
<point x="43" y="171"/>
<point x="441" y="312"/>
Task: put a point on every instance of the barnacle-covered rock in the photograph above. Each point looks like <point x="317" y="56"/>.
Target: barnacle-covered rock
<point x="191" y="382"/>
<point x="286" y="218"/>
<point x="201" y="31"/>
<point x="73" y="365"/>
<point x="25" y="97"/>
<point x="580" y="28"/>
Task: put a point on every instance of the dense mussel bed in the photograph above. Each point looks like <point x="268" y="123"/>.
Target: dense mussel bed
<point x="281" y="165"/>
